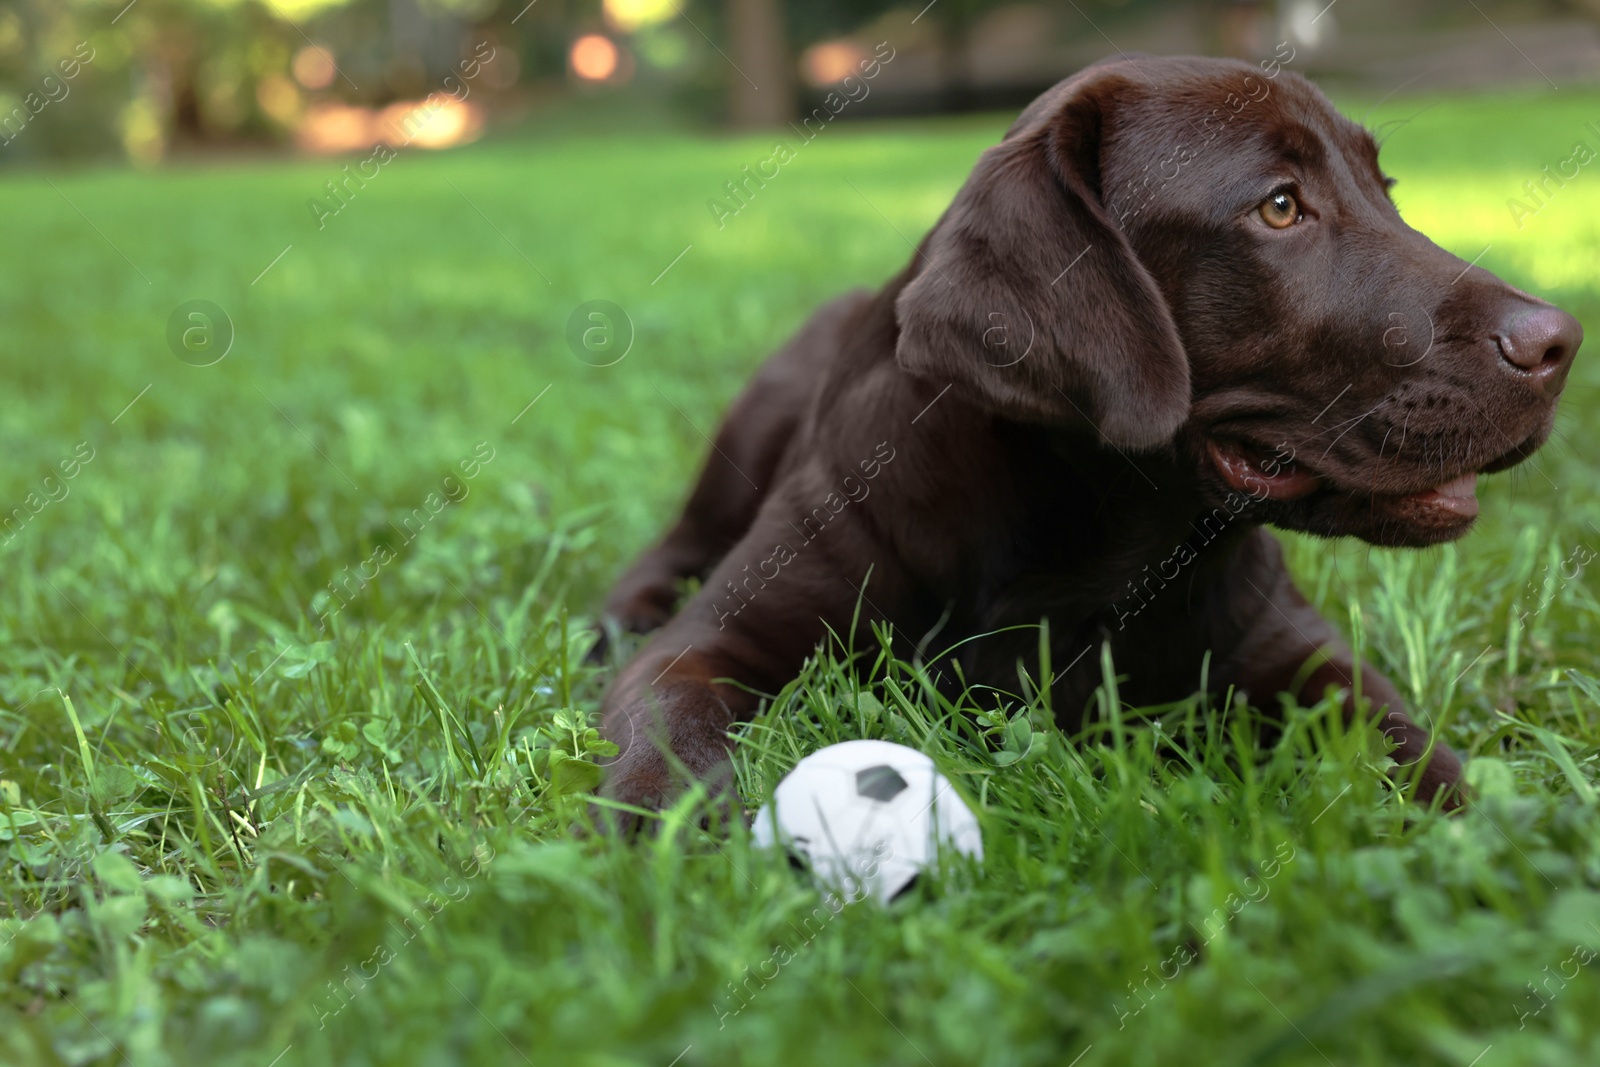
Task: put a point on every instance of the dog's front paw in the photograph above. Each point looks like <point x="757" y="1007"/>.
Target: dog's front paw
<point x="642" y="777"/>
<point x="641" y="780"/>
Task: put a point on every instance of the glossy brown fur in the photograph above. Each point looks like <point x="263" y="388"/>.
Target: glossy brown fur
<point x="1097" y="309"/>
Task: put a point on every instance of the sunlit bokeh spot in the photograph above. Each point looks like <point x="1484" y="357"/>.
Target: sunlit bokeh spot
<point x="630" y="15"/>
<point x="594" y="58"/>
<point x="831" y="62"/>
<point x="313" y="67"/>
<point x="433" y="123"/>
<point x="329" y="128"/>
<point x="300" y="9"/>
<point x="279" y="99"/>
<point x="438" y="121"/>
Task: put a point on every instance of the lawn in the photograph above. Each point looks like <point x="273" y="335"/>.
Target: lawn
<point x="295" y="728"/>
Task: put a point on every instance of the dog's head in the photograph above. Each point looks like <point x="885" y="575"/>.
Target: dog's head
<point x="1202" y="256"/>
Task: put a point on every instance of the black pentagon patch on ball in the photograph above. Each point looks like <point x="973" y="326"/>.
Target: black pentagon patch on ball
<point x="880" y="783"/>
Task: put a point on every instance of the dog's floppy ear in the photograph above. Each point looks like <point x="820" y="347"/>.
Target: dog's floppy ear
<point x="1029" y="297"/>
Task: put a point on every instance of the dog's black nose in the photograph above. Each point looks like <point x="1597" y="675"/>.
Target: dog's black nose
<point x="1540" y="340"/>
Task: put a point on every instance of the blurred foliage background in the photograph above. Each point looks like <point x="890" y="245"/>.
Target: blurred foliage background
<point x="153" y="79"/>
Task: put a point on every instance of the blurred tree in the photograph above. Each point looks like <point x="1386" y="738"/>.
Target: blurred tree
<point x="1241" y="27"/>
<point x="762" y="92"/>
<point x="952" y="21"/>
<point x="1587" y="8"/>
<point x="153" y="75"/>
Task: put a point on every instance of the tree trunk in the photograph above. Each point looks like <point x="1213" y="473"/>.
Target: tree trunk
<point x="1240" y="28"/>
<point x="761" y="88"/>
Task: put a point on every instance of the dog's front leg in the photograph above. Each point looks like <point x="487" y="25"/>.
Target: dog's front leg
<point x="762" y="611"/>
<point x="670" y="720"/>
<point x="1290" y="648"/>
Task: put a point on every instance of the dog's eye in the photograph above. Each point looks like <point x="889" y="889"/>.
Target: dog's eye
<point x="1280" y="211"/>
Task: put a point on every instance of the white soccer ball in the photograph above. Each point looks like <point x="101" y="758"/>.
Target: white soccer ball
<point x="866" y="817"/>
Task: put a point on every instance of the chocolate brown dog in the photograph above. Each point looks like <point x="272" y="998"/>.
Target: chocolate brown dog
<point x="1174" y="304"/>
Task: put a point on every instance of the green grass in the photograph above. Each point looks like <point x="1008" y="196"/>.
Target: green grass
<point x="215" y="810"/>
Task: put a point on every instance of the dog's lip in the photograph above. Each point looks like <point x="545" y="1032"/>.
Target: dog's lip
<point x="1246" y="469"/>
<point x="1459" y="496"/>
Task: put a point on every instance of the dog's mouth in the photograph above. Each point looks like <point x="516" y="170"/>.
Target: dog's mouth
<point x="1459" y="496"/>
<point x="1260" y="474"/>
<point x="1272" y="476"/>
